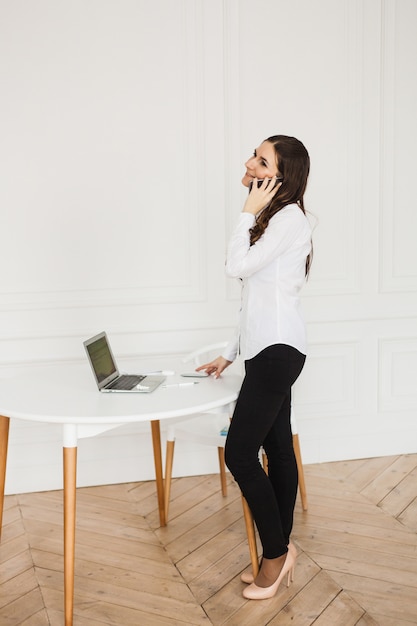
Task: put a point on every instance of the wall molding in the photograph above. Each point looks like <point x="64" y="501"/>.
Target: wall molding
<point x="398" y="102"/>
<point x="190" y="284"/>
<point x="397" y="374"/>
<point x="328" y="385"/>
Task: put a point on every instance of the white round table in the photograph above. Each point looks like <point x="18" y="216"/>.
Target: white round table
<point x="67" y="395"/>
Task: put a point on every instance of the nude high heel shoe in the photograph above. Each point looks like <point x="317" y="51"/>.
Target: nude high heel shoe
<point x="253" y="592"/>
<point x="248" y="578"/>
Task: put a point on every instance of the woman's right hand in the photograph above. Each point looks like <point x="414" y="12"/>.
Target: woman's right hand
<point x="215" y="367"/>
<point x="259" y="197"/>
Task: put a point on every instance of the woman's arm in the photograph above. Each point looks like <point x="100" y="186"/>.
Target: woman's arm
<point x="283" y="230"/>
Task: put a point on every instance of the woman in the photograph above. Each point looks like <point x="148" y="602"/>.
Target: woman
<point x="270" y="251"/>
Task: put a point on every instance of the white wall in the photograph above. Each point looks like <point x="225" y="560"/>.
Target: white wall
<point x="146" y="111"/>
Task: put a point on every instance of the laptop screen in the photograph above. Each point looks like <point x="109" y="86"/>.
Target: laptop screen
<point x="101" y="357"/>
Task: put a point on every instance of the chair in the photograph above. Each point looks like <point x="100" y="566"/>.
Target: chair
<point x="205" y="429"/>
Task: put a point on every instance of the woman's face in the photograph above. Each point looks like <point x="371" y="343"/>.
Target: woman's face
<point x="262" y="164"/>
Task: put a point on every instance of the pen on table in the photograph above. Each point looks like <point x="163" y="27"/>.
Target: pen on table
<point x="163" y="372"/>
<point x="194" y="382"/>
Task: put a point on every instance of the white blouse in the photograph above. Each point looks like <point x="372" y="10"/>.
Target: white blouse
<point x="272" y="273"/>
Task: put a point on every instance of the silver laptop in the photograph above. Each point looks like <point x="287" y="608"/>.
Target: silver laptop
<point x="107" y="375"/>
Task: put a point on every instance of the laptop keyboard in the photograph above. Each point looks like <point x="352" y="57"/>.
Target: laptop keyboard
<point x="127" y="381"/>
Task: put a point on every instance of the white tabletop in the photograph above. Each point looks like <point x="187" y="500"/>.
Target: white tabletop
<point x="67" y="394"/>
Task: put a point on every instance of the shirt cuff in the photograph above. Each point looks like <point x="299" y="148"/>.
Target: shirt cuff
<point x="246" y="219"/>
<point x="230" y="351"/>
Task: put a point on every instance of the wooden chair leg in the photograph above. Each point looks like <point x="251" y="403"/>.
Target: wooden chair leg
<point x="169" y="460"/>
<point x="4" y="439"/>
<point x="159" y="474"/>
<point x="222" y="466"/>
<point x="264" y="462"/>
<point x="250" y="531"/>
<point x="301" y="479"/>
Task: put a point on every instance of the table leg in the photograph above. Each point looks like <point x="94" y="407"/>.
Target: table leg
<point x="4" y="440"/>
<point x="70" y="476"/>
<point x="157" y="455"/>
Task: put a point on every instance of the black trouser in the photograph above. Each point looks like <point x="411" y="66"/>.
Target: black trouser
<point x="262" y="418"/>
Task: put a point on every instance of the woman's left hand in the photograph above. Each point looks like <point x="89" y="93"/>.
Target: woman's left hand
<point x="259" y="197"/>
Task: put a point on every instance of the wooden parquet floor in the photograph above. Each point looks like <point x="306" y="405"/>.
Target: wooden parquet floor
<point x="357" y="561"/>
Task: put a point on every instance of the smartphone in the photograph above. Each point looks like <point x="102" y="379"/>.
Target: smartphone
<point x="259" y="183"/>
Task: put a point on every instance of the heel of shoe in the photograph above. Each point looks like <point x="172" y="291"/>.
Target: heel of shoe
<point x="290" y="575"/>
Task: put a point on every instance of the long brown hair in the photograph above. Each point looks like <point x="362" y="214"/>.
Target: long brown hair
<point x="293" y="164"/>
